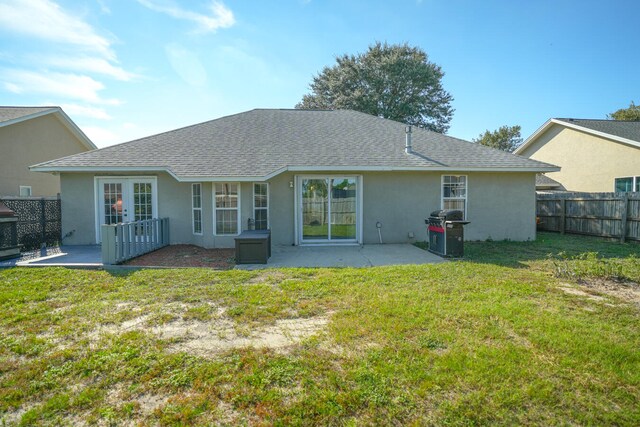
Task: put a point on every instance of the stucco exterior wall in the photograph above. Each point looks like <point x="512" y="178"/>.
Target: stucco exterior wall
<point x="589" y="163"/>
<point x="500" y="206"/>
<point x="27" y="143"/>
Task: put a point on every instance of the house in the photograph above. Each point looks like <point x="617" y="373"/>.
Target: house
<point x="595" y="155"/>
<point x="31" y="135"/>
<point x="311" y="176"/>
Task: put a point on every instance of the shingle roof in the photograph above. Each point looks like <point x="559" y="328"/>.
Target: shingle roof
<point x="13" y="113"/>
<point x="263" y="142"/>
<point x="543" y="181"/>
<point x="622" y="128"/>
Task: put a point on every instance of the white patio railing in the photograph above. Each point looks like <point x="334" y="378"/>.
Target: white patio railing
<point x="123" y="241"/>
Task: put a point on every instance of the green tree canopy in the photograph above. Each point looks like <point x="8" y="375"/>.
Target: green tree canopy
<point x="632" y="113"/>
<point x="506" y="138"/>
<point x="392" y="81"/>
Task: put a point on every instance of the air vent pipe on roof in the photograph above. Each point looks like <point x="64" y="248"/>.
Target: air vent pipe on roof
<point x="407" y="145"/>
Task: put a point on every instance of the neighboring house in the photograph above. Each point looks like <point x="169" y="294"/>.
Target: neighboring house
<point x="311" y="176"/>
<point x="595" y="155"/>
<point x="31" y="135"/>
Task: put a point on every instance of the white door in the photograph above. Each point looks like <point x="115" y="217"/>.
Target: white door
<point x="124" y="200"/>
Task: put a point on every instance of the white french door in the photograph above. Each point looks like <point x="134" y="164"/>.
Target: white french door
<point x="328" y="209"/>
<point x="124" y="200"/>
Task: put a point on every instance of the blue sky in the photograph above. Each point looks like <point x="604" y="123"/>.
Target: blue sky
<point x="124" y="69"/>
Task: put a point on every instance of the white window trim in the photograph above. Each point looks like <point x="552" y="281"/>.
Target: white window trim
<point x="253" y="212"/>
<point x="25" y="187"/>
<point x="193" y="218"/>
<point x="213" y="193"/>
<point x="634" y="182"/>
<point x="96" y="193"/>
<point x="466" y="193"/>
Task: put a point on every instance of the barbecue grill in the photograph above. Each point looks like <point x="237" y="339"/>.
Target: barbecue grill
<point x="446" y="232"/>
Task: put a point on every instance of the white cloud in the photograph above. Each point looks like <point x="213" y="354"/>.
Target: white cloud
<point x="186" y="64"/>
<point x="68" y="86"/>
<point x="220" y="17"/>
<point x="44" y="19"/>
<point x="100" y="136"/>
<point x="84" y="111"/>
<point x="104" y="8"/>
<point x="86" y="64"/>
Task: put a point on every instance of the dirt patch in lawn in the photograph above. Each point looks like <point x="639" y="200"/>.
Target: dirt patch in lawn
<point x="628" y="292"/>
<point x="187" y="256"/>
<point x="220" y="333"/>
<point x="624" y="290"/>
<point x="206" y="339"/>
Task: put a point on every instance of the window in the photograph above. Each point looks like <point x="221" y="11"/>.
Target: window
<point x="261" y="205"/>
<point x="454" y="192"/>
<point x="628" y="184"/>
<point x="226" y="212"/>
<point x="25" y="190"/>
<point x="196" y="208"/>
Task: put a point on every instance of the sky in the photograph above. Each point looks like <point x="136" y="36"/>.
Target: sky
<point x="125" y="69"/>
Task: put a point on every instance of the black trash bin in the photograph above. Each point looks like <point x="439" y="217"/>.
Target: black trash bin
<point x="446" y="232"/>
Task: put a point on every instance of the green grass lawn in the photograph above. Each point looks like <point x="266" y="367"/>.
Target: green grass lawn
<point x="338" y="231"/>
<point x="507" y="337"/>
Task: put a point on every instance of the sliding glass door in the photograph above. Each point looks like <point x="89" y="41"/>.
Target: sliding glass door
<point x="328" y="209"/>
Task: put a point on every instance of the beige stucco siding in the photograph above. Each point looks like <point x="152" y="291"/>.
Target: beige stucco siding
<point x="29" y="142"/>
<point x="500" y="206"/>
<point x="589" y="163"/>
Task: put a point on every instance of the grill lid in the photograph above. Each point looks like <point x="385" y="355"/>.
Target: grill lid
<point x="5" y="212"/>
<point x="448" y="214"/>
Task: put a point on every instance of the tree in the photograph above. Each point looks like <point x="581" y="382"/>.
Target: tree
<point x="631" y="114"/>
<point x="392" y="81"/>
<point x="506" y="138"/>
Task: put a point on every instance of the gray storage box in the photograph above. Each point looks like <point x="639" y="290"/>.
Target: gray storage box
<point x="253" y="247"/>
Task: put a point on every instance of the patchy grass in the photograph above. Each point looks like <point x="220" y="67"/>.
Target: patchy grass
<point x="505" y="337"/>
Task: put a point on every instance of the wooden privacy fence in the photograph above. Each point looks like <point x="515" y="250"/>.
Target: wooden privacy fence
<point x="123" y="241"/>
<point x="597" y="214"/>
<point x="343" y="211"/>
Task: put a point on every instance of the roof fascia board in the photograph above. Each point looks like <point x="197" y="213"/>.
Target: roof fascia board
<point x="285" y="169"/>
<point x="28" y="117"/>
<point x="551" y="122"/>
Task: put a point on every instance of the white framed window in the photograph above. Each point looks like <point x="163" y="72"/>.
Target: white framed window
<point x="627" y="184"/>
<point x="454" y="192"/>
<point x="226" y="208"/>
<point x="261" y="205"/>
<point x="25" y="190"/>
<point x="196" y="208"/>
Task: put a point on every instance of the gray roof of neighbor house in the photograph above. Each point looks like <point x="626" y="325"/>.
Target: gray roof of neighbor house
<point x="8" y="114"/>
<point x="622" y="128"/>
<point x="543" y="181"/>
<point x="265" y="142"/>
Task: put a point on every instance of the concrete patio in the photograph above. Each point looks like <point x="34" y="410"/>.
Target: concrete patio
<point x="345" y="256"/>
<point x="88" y="256"/>
<point x="282" y="256"/>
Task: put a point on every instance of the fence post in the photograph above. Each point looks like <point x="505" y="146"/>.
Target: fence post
<point x="623" y="219"/>
<point x="563" y="214"/>
<point x="43" y="226"/>
<point x="108" y="244"/>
